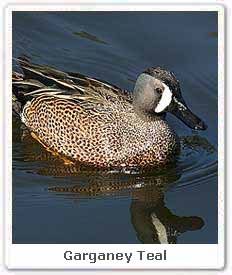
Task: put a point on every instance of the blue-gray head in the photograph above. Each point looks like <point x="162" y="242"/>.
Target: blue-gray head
<point x="157" y="91"/>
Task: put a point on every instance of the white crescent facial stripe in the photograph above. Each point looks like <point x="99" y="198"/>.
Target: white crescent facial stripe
<point x="165" y="99"/>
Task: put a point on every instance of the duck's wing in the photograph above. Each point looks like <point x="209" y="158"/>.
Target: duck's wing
<point x="37" y="80"/>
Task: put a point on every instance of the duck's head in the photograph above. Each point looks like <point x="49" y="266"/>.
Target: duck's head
<point x="157" y="91"/>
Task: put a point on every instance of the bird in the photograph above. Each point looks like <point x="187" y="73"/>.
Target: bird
<point x="86" y="120"/>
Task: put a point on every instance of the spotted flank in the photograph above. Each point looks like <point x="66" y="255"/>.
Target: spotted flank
<point x="83" y="119"/>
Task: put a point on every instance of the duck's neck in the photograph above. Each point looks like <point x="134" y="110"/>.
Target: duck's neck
<point x="148" y="116"/>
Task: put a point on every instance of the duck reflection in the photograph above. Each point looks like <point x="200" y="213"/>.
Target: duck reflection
<point x="155" y="223"/>
<point x="152" y="220"/>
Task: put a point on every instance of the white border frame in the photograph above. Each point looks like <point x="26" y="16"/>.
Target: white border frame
<point x="18" y="256"/>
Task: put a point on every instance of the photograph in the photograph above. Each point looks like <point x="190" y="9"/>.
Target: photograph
<point x="115" y="127"/>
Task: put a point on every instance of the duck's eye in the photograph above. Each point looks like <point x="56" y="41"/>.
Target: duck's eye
<point x="158" y="90"/>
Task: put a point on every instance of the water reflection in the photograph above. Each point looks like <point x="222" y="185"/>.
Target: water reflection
<point x="155" y="223"/>
<point x="151" y="219"/>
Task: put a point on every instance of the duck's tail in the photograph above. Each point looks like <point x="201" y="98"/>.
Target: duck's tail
<point x="18" y="99"/>
<point x="21" y="85"/>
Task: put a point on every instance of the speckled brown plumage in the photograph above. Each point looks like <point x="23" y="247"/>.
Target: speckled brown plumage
<point x="89" y="121"/>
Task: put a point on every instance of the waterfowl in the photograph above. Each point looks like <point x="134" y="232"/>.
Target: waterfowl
<point x="89" y="121"/>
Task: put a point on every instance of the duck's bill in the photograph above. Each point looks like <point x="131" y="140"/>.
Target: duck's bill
<point x="180" y="110"/>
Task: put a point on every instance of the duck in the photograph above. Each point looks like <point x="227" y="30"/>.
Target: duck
<point x="86" y="120"/>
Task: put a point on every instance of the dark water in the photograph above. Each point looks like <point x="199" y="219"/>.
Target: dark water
<point x="175" y="204"/>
